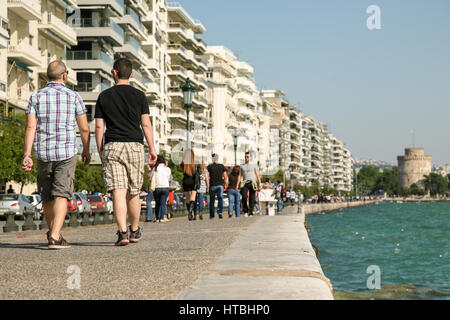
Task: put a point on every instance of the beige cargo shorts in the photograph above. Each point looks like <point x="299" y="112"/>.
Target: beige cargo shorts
<point x="123" y="166"/>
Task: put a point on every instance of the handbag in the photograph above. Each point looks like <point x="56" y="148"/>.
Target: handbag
<point x="153" y="182"/>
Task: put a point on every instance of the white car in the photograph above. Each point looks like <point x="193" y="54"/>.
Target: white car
<point x="36" y="201"/>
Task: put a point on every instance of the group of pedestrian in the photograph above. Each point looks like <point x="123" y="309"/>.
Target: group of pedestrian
<point x="52" y="117"/>
<point x="122" y="123"/>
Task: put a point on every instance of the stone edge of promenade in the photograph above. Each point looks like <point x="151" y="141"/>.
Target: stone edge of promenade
<point x="325" y="207"/>
<point x="272" y="260"/>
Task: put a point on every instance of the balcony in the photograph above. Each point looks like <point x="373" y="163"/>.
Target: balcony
<point x="246" y="82"/>
<point x="179" y="72"/>
<point x="57" y="26"/>
<point x="20" y="97"/>
<point x="24" y="53"/>
<point x="246" y="98"/>
<point x="131" y="19"/>
<point x="4" y="34"/>
<point x="89" y="60"/>
<point x="177" y="32"/>
<point x="116" y="5"/>
<point x="178" y="51"/>
<point x="139" y="80"/>
<point x="106" y="29"/>
<point x="26" y="9"/>
<point x="244" y="67"/>
<point x="88" y="91"/>
<point x="130" y="49"/>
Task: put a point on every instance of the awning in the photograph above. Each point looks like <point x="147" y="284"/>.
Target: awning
<point x="21" y="66"/>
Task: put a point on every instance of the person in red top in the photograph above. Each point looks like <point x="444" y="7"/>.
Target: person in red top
<point x="171" y="198"/>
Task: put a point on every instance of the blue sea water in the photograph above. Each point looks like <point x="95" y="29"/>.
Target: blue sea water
<point x="409" y="242"/>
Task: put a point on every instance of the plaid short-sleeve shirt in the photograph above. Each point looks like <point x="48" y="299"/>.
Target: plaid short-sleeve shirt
<point x="56" y="108"/>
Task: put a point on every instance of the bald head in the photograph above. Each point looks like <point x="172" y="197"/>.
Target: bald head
<point x="55" y="70"/>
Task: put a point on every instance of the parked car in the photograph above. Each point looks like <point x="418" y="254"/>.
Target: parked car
<point x="96" y="201"/>
<point x="143" y="199"/>
<point x="14" y="202"/>
<point x="36" y="201"/>
<point x="79" y="202"/>
<point x="109" y="204"/>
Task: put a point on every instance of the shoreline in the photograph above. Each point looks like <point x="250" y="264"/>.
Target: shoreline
<point x="327" y="207"/>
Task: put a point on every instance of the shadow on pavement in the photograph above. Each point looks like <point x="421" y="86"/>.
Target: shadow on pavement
<point x="43" y="246"/>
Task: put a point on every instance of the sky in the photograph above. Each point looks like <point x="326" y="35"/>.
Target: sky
<point x="373" y="88"/>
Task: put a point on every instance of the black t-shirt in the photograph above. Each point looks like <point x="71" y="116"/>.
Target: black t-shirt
<point x="216" y="174"/>
<point x="121" y="107"/>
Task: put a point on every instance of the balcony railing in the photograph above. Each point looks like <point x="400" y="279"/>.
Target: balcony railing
<point x="102" y="23"/>
<point x="89" y="55"/>
<point x="88" y="87"/>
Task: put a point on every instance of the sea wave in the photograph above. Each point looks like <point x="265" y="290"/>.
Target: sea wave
<point x="395" y="292"/>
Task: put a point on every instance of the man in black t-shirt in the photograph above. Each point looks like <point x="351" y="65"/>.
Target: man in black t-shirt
<point x="217" y="176"/>
<point x="124" y="110"/>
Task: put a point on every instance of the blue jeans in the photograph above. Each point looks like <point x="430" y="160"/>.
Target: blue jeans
<point x="213" y="191"/>
<point x="149" y="206"/>
<point x="161" y="195"/>
<point x="199" y="201"/>
<point x="280" y="204"/>
<point x="234" y="197"/>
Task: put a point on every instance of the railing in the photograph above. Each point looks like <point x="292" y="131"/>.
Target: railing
<point x="176" y="47"/>
<point x="133" y="42"/>
<point x="34" y="4"/>
<point x="174" y="25"/>
<point x="88" y="87"/>
<point x="89" y="55"/>
<point x="102" y="23"/>
<point x="52" y="19"/>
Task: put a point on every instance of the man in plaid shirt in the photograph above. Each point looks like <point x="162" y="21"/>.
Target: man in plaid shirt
<point x="52" y="117"/>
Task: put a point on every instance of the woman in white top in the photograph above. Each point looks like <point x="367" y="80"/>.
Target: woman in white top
<point x="163" y="177"/>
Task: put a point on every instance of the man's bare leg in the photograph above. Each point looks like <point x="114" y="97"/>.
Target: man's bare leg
<point x="48" y="213"/>
<point x="120" y="208"/>
<point x="59" y="211"/>
<point x="134" y="210"/>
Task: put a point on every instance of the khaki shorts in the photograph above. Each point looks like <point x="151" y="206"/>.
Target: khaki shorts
<point x="123" y="166"/>
<point x="55" y="178"/>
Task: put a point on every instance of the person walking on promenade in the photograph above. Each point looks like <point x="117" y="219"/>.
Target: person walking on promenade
<point x="250" y="178"/>
<point x="163" y="178"/>
<point x="150" y="197"/>
<point x="234" y="196"/>
<point x="200" y="199"/>
<point x="217" y="177"/>
<point x="52" y="116"/>
<point x="190" y="183"/>
<point x="124" y="110"/>
<point x="11" y="190"/>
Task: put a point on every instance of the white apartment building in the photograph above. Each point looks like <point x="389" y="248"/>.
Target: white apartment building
<point x="280" y="128"/>
<point x="221" y="92"/>
<point x="155" y="19"/>
<point x="186" y="51"/>
<point x="22" y="53"/>
<point x="4" y="38"/>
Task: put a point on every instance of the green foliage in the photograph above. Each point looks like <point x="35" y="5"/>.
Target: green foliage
<point x="89" y="178"/>
<point x="416" y="190"/>
<point x="436" y="184"/>
<point x="12" y="137"/>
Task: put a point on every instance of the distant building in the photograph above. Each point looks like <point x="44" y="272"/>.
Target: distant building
<point x="412" y="167"/>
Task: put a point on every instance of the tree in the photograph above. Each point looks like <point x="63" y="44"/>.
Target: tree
<point x="89" y="178"/>
<point x="12" y="136"/>
<point x="367" y="179"/>
<point x="436" y="184"/>
<point x="415" y="190"/>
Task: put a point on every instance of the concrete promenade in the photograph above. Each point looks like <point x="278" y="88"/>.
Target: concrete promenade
<point x="258" y="257"/>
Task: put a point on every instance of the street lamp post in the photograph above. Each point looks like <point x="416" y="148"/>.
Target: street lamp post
<point x="235" y="142"/>
<point x="188" y="95"/>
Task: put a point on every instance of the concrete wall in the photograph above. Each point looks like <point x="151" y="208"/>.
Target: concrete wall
<point x="323" y="207"/>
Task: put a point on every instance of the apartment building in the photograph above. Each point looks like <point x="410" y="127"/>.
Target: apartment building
<point x="186" y="51"/>
<point x="22" y="54"/>
<point x="155" y="20"/>
<point x="280" y="127"/>
<point x="220" y="95"/>
<point x="55" y="37"/>
<point x="4" y="38"/>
